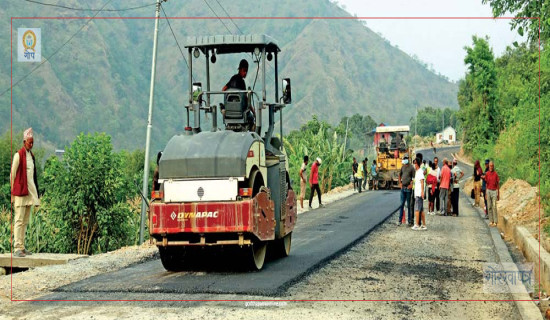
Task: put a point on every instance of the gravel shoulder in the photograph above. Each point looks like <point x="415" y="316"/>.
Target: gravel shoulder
<point x="391" y="263"/>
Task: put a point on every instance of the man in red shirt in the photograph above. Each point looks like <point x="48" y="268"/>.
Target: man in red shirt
<point x="493" y="193"/>
<point x="314" y="182"/>
<point x="444" y="186"/>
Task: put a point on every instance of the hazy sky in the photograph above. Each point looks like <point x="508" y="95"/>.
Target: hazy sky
<point x="436" y="42"/>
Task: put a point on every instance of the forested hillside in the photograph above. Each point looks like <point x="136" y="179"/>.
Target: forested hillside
<point x="99" y="81"/>
<point x="501" y="112"/>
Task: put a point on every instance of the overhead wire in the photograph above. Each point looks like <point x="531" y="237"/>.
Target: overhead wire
<point x="175" y="38"/>
<point x="229" y="16"/>
<point x="241" y="32"/>
<point x="55" y="52"/>
<point x="86" y="9"/>
<point x="218" y="17"/>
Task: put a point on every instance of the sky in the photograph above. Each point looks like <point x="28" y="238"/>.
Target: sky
<point x="439" y="43"/>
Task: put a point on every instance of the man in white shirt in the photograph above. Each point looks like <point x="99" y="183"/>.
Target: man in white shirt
<point x="456" y="175"/>
<point x="419" y="195"/>
<point x="24" y="191"/>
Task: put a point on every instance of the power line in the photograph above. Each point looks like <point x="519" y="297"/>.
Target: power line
<point x="174" y="35"/>
<point x="84" y="9"/>
<point x="218" y="17"/>
<point x="55" y="52"/>
<point x="230" y="17"/>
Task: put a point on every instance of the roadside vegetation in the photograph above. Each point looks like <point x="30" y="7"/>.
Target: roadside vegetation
<point x="499" y="100"/>
<point x="90" y="202"/>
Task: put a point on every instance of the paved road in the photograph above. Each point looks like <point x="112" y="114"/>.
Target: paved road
<point x="320" y="235"/>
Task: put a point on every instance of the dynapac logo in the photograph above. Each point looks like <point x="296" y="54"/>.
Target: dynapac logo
<point x="191" y="215"/>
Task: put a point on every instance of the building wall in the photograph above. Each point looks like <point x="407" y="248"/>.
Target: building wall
<point x="448" y="134"/>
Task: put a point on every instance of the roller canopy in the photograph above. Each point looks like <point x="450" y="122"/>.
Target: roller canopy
<point x="233" y="43"/>
<point x="206" y="155"/>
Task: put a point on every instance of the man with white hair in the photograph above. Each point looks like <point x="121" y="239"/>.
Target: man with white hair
<point x="24" y="191"/>
<point x="314" y="182"/>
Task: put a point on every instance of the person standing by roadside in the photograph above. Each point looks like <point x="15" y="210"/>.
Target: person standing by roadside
<point x="406" y="174"/>
<point x="438" y="176"/>
<point x="449" y="207"/>
<point x="419" y="195"/>
<point x="354" y="167"/>
<point x="418" y="156"/>
<point x="444" y="186"/>
<point x="424" y="168"/>
<point x="314" y="182"/>
<point x="374" y="174"/>
<point x="303" y="181"/>
<point x="457" y="174"/>
<point x="24" y="191"/>
<point x="365" y="172"/>
<point x="359" y="176"/>
<point x="484" y="187"/>
<point x="478" y="172"/>
<point x="493" y="193"/>
<point x="431" y="181"/>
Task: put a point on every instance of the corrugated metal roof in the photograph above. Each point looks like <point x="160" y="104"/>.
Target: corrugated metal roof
<point x="393" y="129"/>
<point x="233" y="43"/>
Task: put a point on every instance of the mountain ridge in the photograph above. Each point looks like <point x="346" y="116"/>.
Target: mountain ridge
<point x="100" y="80"/>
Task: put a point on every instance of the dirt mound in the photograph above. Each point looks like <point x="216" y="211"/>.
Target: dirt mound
<point x="518" y="201"/>
<point x="520" y="204"/>
<point x="341" y="189"/>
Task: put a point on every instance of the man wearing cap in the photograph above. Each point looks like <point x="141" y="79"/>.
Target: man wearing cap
<point x="314" y="182"/>
<point x="237" y="83"/>
<point x="24" y="191"/>
<point x="237" y="80"/>
<point x="456" y="174"/>
<point x="406" y="175"/>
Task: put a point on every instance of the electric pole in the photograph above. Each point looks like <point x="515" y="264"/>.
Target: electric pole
<point x="145" y="190"/>
<point x="345" y="140"/>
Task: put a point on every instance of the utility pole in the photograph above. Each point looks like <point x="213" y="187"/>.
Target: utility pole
<point x="145" y="190"/>
<point x="345" y="140"/>
<point x="415" y="126"/>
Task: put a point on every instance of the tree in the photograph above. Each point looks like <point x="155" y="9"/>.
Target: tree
<point x="358" y="128"/>
<point x="431" y="120"/>
<point x="526" y="12"/>
<point x="477" y="96"/>
<point x="85" y="198"/>
<point x="318" y="139"/>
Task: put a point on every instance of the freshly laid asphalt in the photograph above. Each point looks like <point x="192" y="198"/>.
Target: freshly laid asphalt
<point x="319" y="236"/>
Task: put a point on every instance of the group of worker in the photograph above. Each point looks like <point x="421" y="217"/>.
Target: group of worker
<point x="441" y="187"/>
<point x="361" y="172"/>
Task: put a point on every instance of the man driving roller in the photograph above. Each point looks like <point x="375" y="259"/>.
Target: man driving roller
<point x="237" y="83"/>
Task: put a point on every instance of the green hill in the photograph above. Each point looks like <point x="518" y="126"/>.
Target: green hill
<point x="99" y="81"/>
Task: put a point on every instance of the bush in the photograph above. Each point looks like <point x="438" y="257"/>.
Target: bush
<point x="86" y="198"/>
